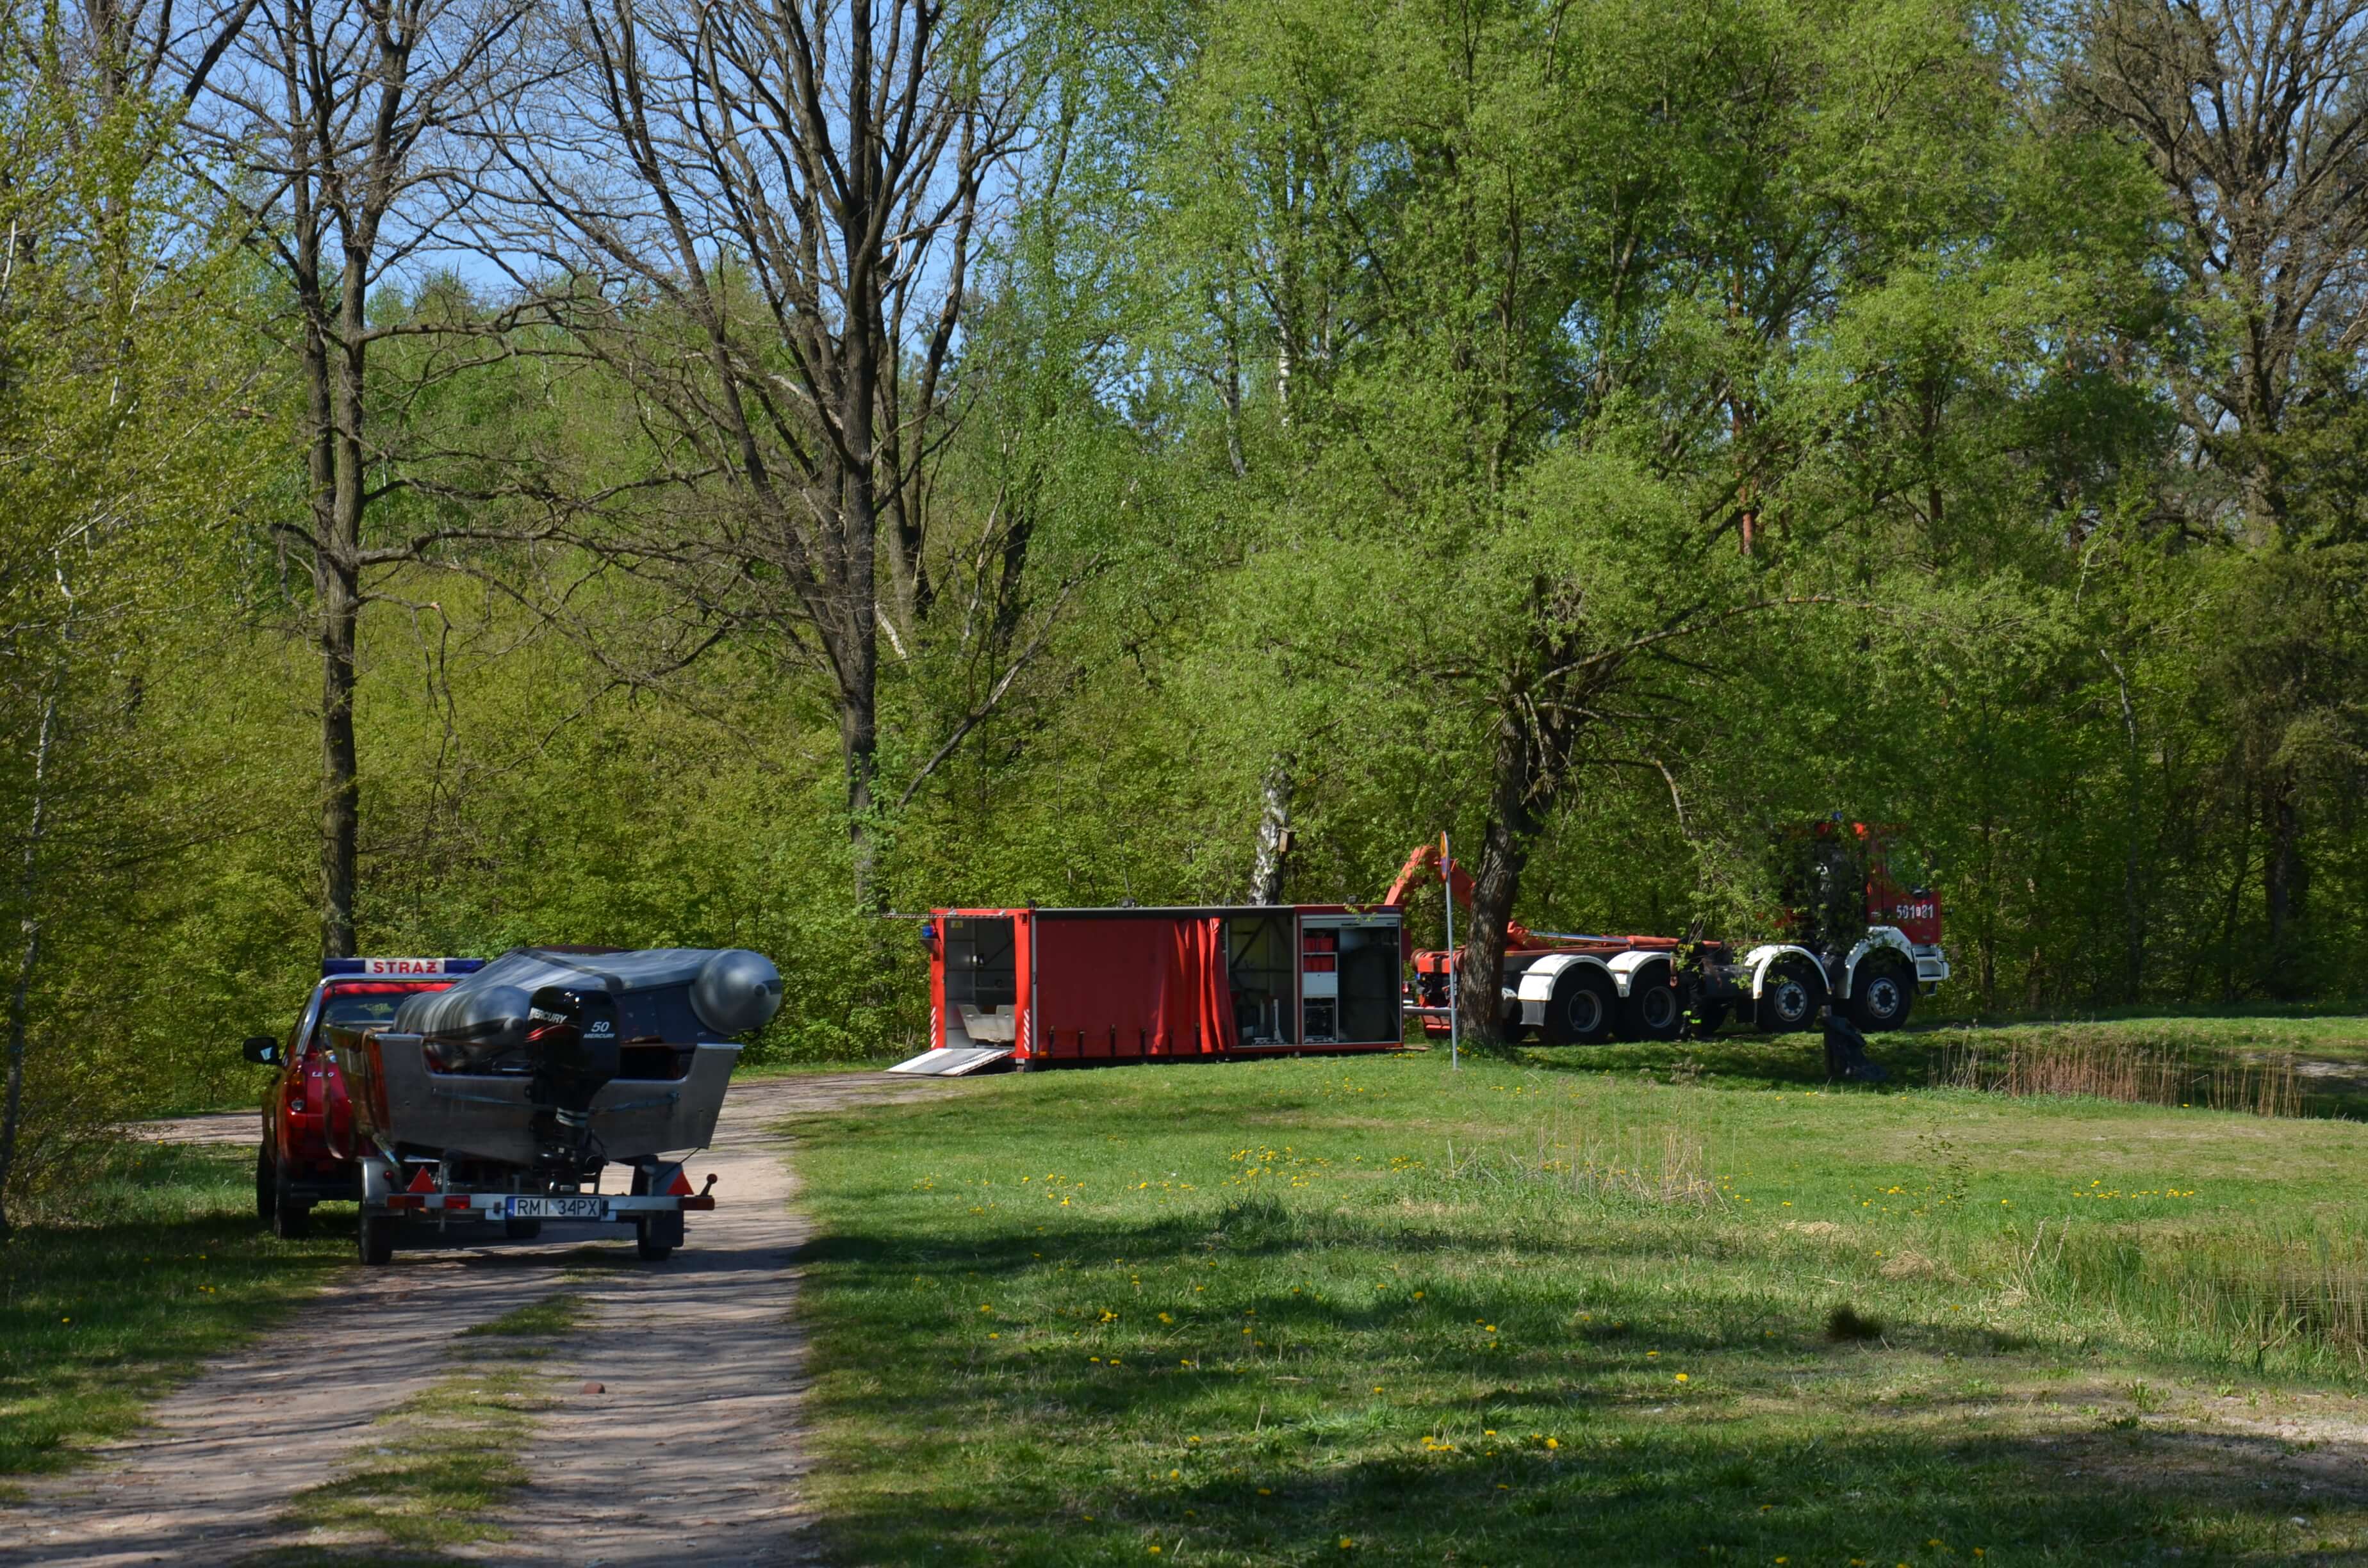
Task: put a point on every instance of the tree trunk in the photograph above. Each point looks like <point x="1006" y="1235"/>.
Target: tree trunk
<point x="1504" y="854"/>
<point x="2283" y="876"/>
<point x="340" y="790"/>
<point x="20" y="999"/>
<point x="337" y="585"/>
<point x="1274" y="835"/>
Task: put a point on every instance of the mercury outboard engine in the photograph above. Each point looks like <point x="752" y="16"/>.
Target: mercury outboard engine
<point x="571" y="1049"/>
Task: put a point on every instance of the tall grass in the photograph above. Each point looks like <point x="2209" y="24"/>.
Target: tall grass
<point x="2299" y="1297"/>
<point x="2121" y="1070"/>
<point x="1657" y="1166"/>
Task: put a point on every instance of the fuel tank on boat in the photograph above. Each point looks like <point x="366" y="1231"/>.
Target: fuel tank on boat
<point x="560" y="1059"/>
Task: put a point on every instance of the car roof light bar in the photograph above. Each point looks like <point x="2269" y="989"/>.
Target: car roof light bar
<point x="399" y="969"/>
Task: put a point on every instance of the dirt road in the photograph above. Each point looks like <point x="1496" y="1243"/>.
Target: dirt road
<point x="689" y="1451"/>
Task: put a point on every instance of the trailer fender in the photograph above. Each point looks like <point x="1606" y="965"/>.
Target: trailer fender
<point x="1626" y="967"/>
<point x="1760" y="959"/>
<point x="380" y="1179"/>
<point x="1538" y="983"/>
<point x="1877" y="939"/>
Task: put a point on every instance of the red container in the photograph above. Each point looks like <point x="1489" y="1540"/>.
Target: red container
<point x="1046" y="986"/>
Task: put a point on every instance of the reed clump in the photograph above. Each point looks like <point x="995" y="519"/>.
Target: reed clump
<point x="2118" y="1069"/>
<point x="2256" y="1294"/>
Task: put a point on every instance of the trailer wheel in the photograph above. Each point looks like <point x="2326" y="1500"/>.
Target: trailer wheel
<point x="376" y="1234"/>
<point x="1883" y="999"/>
<point x="1583" y="1007"/>
<point x="266" y="1183"/>
<point x="649" y="1251"/>
<point x="1653" y="1009"/>
<point x="1789" y="997"/>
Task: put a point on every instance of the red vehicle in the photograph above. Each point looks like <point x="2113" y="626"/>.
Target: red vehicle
<point x="1858" y="931"/>
<point x="307" y="1154"/>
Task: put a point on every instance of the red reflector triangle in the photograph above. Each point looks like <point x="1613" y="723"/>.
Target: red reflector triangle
<point x="681" y="1187"/>
<point x="422" y="1182"/>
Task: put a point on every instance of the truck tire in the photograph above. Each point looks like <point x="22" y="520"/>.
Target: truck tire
<point x="266" y="1183"/>
<point x="1882" y="997"/>
<point x="1653" y="1010"/>
<point x="1789" y="997"/>
<point x="376" y="1234"/>
<point x="1584" y="1006"/>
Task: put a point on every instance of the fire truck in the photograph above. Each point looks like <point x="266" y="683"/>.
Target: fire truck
<point x="1851" y="934"/>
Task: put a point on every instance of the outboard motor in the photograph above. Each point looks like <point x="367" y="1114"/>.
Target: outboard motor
<point x="571" y="1049"/>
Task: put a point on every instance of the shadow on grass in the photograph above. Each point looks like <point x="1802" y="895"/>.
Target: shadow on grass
<point x="96" y="1320"/>
<point x="1785" y="1443"/>
<point x="1681" y="1493"/>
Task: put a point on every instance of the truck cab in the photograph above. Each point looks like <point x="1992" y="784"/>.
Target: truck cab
<point x="307" y="1154"/>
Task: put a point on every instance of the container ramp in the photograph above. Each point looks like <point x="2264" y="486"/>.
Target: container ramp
<point x="955" y="1061"/>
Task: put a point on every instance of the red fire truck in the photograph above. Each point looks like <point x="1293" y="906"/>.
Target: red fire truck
<point x="1575" y="989"/>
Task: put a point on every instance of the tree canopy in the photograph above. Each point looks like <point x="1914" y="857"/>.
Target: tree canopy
<point x="641" y="472"/>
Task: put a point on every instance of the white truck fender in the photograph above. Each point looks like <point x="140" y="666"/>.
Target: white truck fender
<point x="1538" y="982"/>
<point x="1626" y="967"/>
<point x="1760" y="957"/>
<point x="1876" y="939"/>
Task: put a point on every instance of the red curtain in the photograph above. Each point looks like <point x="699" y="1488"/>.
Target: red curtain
<point x="1196" y="992"/>
<point x="1127" y="985"/>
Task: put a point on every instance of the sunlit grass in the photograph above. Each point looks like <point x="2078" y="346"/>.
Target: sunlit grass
<point x="1242" y="1314"/>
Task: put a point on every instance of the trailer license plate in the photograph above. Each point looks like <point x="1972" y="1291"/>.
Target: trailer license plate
<point x="556" y="1208"/>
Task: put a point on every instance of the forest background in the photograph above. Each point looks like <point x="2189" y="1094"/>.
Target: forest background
<point x="712" y="471"/>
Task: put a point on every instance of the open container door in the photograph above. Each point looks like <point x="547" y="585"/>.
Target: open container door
<point x="975" y="987"/>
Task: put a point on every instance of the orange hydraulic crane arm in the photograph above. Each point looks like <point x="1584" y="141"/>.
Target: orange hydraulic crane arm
<point x="1424" y="863"/>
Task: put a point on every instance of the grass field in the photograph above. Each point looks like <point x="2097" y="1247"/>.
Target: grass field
<point x="1606" y="1306"/>
<point x="113" y="1297"/>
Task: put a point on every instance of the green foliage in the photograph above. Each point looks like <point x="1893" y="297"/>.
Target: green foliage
<point x="1344" y="388"/>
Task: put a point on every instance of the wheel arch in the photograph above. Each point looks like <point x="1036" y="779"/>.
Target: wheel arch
<point x="1538" y="982"/>
<point x="1878" y="939"/>
<point x="1766" y="957"/>
<point x="1626" y="967"/>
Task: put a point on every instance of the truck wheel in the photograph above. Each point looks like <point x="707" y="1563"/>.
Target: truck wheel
<point x="1583" y="1007"/>
<point x="267" y="1184"/>
<point x="1882" y="1000"/>
<point x="376" y="1233"/>
<point x="291" y="1218"/>
<point x="1653" y="1009"/>
<point x="1789" y="997"/>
